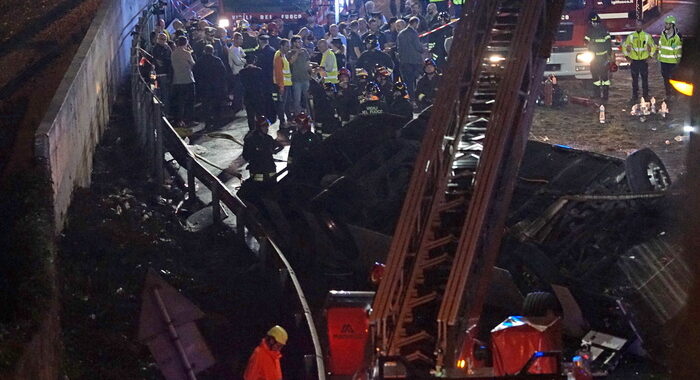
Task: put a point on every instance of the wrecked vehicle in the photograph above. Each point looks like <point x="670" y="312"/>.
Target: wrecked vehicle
<point x="595" y="230"/>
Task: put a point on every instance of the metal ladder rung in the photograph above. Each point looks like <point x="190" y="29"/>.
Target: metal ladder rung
<point x="415" y="338"/>
<point x="435" y="261"/>
<point x="432" y="296"/>
<point x="440" y="242"/>
<point x="417" y="355"/>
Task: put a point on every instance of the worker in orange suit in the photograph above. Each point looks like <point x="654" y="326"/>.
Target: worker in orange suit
<point x="264" y="364"/>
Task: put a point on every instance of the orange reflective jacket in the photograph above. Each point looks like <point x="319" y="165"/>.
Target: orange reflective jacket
<point x="264" y="364"/>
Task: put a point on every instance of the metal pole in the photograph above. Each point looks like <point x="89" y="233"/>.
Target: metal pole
<point x="173" y="334"/>
<point x="216" y="206"/>
<point x="191" y="185"/>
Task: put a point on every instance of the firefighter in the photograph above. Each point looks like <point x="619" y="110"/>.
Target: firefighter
<point x="373" y="57"/>
<point x="324" y="106"/>
<point x="637" y="48"/>
<point x="264" y="363"/>
<point x="436" y="40"/>
<point x="400" y="103"/>
<point x="427" y="86"/>
<point x="372" y="104"/>
<point x="258" y="148"/>
<point x="382" y="76"/>
<point x="250" y="41"/>
<point x="670" y="51"/>
<point x="360" y="82"/>
<point x="347" y="102"/>
<point x="599" y="43"/>
<point x="303" y="139"/>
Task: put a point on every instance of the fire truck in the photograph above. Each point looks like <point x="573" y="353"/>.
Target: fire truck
<point x="569" y="55"/>
<point x="263" y="11"/>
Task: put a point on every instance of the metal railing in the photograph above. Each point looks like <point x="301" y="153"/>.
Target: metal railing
<point x="156" y="135"/>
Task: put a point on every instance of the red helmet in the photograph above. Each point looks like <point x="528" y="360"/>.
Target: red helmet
<point x="303" y="121"/>
<point x="261" y="121"/>
<point x="345" y="72"/>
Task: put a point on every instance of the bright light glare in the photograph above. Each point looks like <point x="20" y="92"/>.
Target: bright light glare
<point x="224" y="23"/>
<point x="684" y="88"/>
<point x="585" y="57"/>
<point x="496" y="58"/>
<point x="688" y="128"/>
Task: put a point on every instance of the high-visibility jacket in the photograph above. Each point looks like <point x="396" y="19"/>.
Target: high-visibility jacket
<point x="670" y="49"/>
<point x="264" y="364"/>
<point x="283" y="74"/>
<point x="458" y="2"/>
<point x="639" y="46"/>
<point x="437" y="1"/>
<point x="329" y="63"/>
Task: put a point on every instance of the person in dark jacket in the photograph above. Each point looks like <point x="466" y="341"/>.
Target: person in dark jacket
<point x="210" y="76"/>
<point x="372" y="57"/>
<point x="410" y="52"/>
<point x="258" y="150"/>
<point x="303" y="140"/>
<point x="436" y="40"/>
<point x="427" y="86"/>
<point x="400" y="104"/>
<point x="266" y="59"/>
<point x="347" y="99"/>
<point x="324" y="106"/>
<point x="253" y="93"/>
<point x="161" y="57"/>
<point x="372" y="104"/>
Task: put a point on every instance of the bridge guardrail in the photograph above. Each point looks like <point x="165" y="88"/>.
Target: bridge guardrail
<point x="156" y="135"/>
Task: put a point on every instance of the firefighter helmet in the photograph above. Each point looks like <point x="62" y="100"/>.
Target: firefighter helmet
<point x="330" y="87"/>
<point x="381" y="71"/>
<point x="428" y="62"/>
<point x="401" y="88"/>
<point x="593" y="17"/>
<point x="373" y="89"/>
<point x="345" y="72"/>
<point x="303" y="121"/>
<point x="670" y="19"/>
<point x="444" y="16"/>
<point x="361" y="73"/>
<point x="372" y="40"/>
<point x="279" y="333"/>
<point x="262" y="121"/>
<point x="244" y="24"/>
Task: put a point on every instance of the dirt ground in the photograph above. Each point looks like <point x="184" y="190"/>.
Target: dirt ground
<point x="121" y="226"/>
<point x="578" y="126"/>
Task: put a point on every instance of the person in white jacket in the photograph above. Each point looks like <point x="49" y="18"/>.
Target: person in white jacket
<point x="236" y="59"/>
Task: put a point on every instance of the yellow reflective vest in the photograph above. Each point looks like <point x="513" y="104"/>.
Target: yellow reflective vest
<point x="332" y="72"/>
<point x="670" y="49"/>
<point x="639" y="46"/>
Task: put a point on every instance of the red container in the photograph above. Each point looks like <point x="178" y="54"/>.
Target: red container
<point x="348" y="330"/>
<point x="516" y="339"/>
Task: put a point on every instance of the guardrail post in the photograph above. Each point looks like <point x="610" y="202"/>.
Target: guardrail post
<point x="158" y="135"/>
<point x="215" y="205"/>
<point x="191" y="185"/>
<point x="240" y="225"/>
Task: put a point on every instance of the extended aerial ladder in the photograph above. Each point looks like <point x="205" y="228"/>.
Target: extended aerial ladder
<point x="448" y="235"/>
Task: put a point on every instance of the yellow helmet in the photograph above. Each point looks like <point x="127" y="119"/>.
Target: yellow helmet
<point x="279" y="334"/>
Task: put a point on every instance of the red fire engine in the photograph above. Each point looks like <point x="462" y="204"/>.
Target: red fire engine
<point x="569" y="55"/>
<point x="263" y="11"/>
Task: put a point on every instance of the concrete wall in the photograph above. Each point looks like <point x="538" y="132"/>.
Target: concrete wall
<point x="79" y="112"/>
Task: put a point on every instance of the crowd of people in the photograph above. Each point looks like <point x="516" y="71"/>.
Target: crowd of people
<point x="279" y="70"/>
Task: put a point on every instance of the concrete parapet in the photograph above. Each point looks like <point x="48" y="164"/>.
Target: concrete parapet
<point x="66" y="138"/>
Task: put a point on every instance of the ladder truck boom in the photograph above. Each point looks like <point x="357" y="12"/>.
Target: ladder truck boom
<point x="448" y="235"/>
